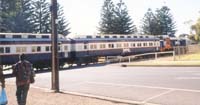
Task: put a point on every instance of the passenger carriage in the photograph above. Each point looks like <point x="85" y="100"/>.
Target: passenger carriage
<point x="36" y="46"/>
<point x="89" y="47"/>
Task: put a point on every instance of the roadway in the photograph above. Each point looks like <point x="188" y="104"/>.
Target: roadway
<point x="156" y="85"/>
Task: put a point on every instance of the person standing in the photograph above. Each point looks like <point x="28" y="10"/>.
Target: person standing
<point x="22" y="70"/>
<point x="2" y="79"/>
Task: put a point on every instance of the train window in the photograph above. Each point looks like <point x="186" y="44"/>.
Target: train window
<point x="157" y="43"/>
<point x="23" y="49"/>
<point x="31" y="36"/>
<point x="20" y="49"/>
<point x="47" y="48"/>
<point x="135" y="36"/>
<point x="114" y="36"/>
<point x="85" y="46"/>
<point x="38" y="48"/>
<point x="110" y="45"/>
<point x="33" y="49"/>
<point x="17" y="36"/>
<point x="139" y="44"/>
<point x="102" y="46"/>
<point x="1" y="50"/>
<point x="150" y="44"/>
<point x="59" y="48"/>
<point x="93" y="46"/>
<point x="98" y="36"/>
<point x="45" y="36"/>
<point x="7" y="49"/>
<point x="106" y="37"/>
<point x="126" y="45"/>
<point x="119" y="45"/>
<point x="2" y="36"/>
<point x="133" y="44"/>
<point x="128" y="36"/>
<point x="141" y="36"/>
<point x="121" y="36"/>
<point x="65" y="48"/>
<point x="88" y="36"/>
<point x="144" y="44"/>
<point x="146" y="36"/>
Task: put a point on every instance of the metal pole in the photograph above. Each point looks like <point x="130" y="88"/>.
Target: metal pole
<point x="54" y="38"/>
<point x="179" y="52"/>
<point x="174" y="55"/>
<point x="156" y="55"/>
<point x="155" y="42"/>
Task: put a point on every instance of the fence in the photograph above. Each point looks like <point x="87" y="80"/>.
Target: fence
<point x="113" y="59"/>
<point x="193" y="48"/>
<point x="179" y="50"/>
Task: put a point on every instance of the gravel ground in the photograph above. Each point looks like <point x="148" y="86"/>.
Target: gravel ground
<point x="41" y="97"/>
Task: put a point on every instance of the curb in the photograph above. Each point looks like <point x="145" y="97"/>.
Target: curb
<point x="125" y="65"/>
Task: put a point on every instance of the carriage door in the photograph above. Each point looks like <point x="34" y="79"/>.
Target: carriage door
<point x="86" y="47"/>
<point x="66" y="51"/>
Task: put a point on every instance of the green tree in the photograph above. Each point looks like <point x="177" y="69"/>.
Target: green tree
<point x="23" y="21"/>
<point x="7" y="11"/>
<point x="63" y="25"/>
<point x="165" y="22"/>
<point x="196" y="29"/>
<point x="150" y="24"/>
<point x="41" y="16"/>
<point x="123" y="23"/>
<point x="107" y="18"/>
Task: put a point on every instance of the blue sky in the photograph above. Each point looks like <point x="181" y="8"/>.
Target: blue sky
<point x="84" y="15"/>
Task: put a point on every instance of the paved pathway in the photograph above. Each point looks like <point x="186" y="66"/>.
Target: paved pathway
<point x="162" y="86"/>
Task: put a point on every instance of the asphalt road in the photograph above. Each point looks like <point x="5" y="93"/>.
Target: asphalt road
<point x="157" y="85"/>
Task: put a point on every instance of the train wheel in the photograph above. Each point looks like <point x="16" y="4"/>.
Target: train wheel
<point x="78" y="64"/>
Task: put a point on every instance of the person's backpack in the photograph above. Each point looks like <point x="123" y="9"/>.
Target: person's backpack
<point x="24" y="72"/>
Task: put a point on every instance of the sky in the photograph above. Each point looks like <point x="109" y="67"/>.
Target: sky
<point x="84" y="15"/>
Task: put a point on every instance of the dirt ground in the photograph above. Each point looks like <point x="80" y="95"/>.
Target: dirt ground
<point x="41" y="97"/>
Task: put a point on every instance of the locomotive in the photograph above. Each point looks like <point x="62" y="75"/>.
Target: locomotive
<point x="169" y="43"/>
<point x="83" y="49"/>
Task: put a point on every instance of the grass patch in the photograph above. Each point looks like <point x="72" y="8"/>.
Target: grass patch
<point x="183" y="60"/>
<point x="190" y="57"/>
<point x="165" y="63"/>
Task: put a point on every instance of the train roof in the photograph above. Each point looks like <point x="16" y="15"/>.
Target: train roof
<point x="112" y="36"/>
<point x="28" y="36"/>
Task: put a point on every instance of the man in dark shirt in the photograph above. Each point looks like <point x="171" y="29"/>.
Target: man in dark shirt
<point x="22" y="71"/>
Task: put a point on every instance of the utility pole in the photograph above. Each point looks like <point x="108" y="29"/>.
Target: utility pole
<point x="54" y="38"/>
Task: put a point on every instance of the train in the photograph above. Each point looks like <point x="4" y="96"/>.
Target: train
<point x="79" y="49"/>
